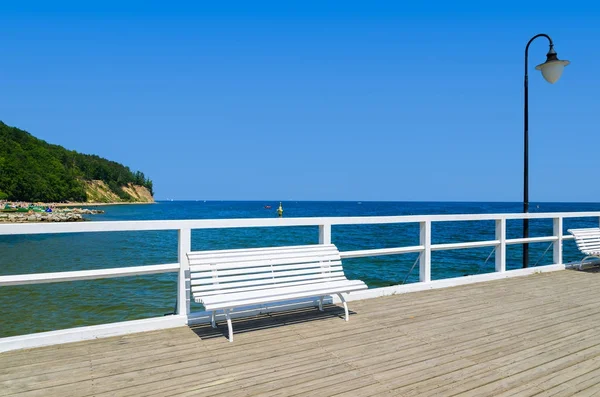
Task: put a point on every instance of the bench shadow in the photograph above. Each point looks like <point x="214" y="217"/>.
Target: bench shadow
<point x="591" y="269"/>
<point x="269" y="321"/>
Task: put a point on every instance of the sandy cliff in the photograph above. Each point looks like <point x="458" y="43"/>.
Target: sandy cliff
<point x="98" y="192"/>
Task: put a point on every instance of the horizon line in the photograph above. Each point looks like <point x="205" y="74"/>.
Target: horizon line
<point x="376" y="201"/>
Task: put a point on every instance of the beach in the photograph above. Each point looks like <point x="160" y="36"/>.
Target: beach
<point x="26" y="212"/>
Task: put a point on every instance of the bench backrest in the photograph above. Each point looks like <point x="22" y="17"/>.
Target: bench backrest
<point x="238" y="270"/>
<point x="588" y="240"/>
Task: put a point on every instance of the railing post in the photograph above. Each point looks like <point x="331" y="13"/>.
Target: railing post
<point x="425" y="260"/>
<point x="324" y="234"/>
<point x="557" y="249"/>
<point x="501" y="247"/>
<point x="183" y="281"/>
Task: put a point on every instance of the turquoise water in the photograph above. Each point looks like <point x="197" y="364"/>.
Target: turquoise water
<point x="36" y="308"/>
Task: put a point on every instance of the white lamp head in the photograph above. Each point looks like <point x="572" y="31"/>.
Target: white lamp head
<point x="553" y="67"/>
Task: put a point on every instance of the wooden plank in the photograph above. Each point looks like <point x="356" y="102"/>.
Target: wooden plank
<point x="515" y="337"/>
<point x="121" y="344"/>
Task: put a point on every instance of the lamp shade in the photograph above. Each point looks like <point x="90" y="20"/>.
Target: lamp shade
<point x="552" y="69"/>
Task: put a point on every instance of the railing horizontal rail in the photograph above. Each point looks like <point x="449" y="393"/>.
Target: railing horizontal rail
<point x="41" y="228"/>
<point x="531" y="240"/>
<point x="381" y="251"/>
<point x="41" y="278"/>
<point x="472" y="244"/>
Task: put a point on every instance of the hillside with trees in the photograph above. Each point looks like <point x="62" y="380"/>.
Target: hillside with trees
<point x="34" y="170"/>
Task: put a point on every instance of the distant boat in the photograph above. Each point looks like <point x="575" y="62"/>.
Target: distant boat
<point x="267" y="207"/>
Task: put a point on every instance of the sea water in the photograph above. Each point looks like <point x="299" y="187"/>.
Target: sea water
<point x="44" y="307"/>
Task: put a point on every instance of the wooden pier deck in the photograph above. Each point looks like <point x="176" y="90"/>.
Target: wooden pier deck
<point x="536" y="335"/>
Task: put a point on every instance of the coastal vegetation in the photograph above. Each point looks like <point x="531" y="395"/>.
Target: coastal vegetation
<point x="36" y="171"/>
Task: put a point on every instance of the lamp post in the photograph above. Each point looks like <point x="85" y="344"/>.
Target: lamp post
<point x="551" y="70"/>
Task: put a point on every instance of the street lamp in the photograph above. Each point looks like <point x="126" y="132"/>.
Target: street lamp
<point x="551" y="70"/>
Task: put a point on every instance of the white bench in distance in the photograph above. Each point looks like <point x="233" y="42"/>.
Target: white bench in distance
<point x="588" y="242"/>
<point x="228" y="279"/>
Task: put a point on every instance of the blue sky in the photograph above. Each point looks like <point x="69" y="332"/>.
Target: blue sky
<point x="312" y="100"/>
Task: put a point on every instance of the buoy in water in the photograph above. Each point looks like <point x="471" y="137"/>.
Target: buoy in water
<point x="280" y="210"/>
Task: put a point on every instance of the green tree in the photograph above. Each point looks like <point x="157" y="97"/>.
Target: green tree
<point x="34" y="170"/>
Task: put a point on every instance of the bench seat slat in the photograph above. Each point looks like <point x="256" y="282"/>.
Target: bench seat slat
<point x="586" y="247"/>
<point x="265" y="286"/>
<point x="283" y="290"/>
<point x="207" y="273"/>
<point x="253" y="252"/>
<point x="251" y="255"/>
<point x="250" y="251"/>
<point x="216" y="264"/>
<point x="281" y="298"/>
<point x="249" y="263"/>
<point x="316" y="277"/>
<point x="273" y="276"/>
<point x="585" y="230"/>
<point x="279" y="294"/>
<point x="306" y="257"/>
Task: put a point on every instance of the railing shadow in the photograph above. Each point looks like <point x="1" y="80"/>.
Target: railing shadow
<point x="270" y="321"/>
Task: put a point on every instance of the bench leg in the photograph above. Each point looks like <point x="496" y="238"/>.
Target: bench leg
<point x="229" y="326"/>
<point x="321" y="303"/>
<point x="345" y="305"/>
<point x="213" y="323"/>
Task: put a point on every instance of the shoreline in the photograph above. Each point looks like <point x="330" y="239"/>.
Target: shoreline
<point x="93" y="204"/>
<point x="63" y="214"/>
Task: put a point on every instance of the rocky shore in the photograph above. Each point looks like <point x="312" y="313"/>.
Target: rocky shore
<point x="58" y="215"/>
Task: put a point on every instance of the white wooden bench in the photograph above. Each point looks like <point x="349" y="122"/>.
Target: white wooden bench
<point x="588" y="242"/>
<point x="227" y="279"/>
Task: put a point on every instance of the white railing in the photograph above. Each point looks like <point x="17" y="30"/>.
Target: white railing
<point x="184" y="228"/>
